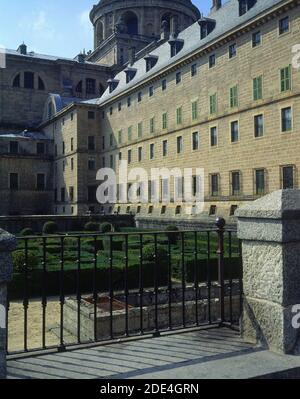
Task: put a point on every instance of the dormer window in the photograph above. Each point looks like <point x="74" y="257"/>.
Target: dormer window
<point x="176" y="46"/>
<point x="130" y="74"/>
<point x="245" y="6"/>
<point x="112" y="84"/>
<point x="151" y="61"/>
<point x="207" y="25"/>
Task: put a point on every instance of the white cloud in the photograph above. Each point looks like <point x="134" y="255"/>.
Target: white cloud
<point x="40" y="23"/>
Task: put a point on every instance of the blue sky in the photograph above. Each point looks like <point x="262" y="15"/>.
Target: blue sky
<point x="55" y="27"/>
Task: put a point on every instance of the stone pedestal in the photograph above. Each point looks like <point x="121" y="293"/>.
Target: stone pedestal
<point x="270" y="232"/>
<point x="7" y="245"/>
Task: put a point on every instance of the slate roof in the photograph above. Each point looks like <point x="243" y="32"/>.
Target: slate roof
<point x="227" y="18"/>
<point x="29" y="135"/>
<point x="47" y="57"/>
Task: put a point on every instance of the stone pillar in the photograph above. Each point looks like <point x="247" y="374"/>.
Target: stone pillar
<point x="7" y="245"/>
<point x="270" y="232"/>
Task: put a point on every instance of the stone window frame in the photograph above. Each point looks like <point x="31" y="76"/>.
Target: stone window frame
<point x="179" y="116"/>
<point x="286" y="82"/>
<point x="255" y="89"/>
<point x="9" y="181"/>
<point x="240" y="192"/>
<point x="231" y="122"/>
<point x="279" y="33"/>
<point x="295" y="175"/>
<point x="210" y="136"/>
<point x="285" y="132"/>
<point x="264" y="125"/>
<point x="253" y="45"/>
<point x="179" y="145"/>
<point x="192" y="140"/>
<point x="219" y="191"/>
<point x="232" y="55"/>
<point x="234" y="96"/>
<point x="266" y="182"/>
<point x="45" y="181"/>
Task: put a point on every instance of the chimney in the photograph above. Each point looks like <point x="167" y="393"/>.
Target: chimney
<point x="217" y="4"/>
<point x="22" y="49"/>
<point x="131" y="55"/>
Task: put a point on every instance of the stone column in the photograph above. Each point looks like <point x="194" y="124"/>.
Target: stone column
<point x="270" y="232"/>
<point x="7" y="245"/>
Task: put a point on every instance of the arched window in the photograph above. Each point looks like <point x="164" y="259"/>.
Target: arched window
<point x="99" y="33"/>
<point x="131" y="22"/>
<point x="17" y="81"/>
<point x="28" y="80"/>
<point x="41" y="84"/>
<point x="90" y="86"/>
<point x="79" y="87"/>
<point x="166" y="19"/>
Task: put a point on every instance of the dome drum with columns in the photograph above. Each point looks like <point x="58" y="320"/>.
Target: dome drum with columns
<point x="143" y="18"/>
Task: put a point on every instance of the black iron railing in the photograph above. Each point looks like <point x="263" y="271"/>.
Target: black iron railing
<point x="87" y="288"/>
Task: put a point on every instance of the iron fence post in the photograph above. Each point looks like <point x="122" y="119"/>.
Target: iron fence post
<point x="220" y="222"/>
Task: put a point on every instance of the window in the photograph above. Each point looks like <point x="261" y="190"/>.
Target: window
<point x="71" y="193"/>
<point x="40" y="148"/>
<point x="165" y="121"/>
<point x="178" y="77"/>
<point x="140" y="154"/>
<point x="91" y="143"/>
<point x="287" y="177"/>
<point x="72" y="116"/>
<point x="13" y="147"/>
<point x="151" y="151"/>
<point x="72" y="144"/>
<point x="284" y="25"/>
<point x="90" y="86"/>
<point x="164" y="85"/>
<point x="257" y="88"/>
<point x="179" y="116"/>
<point x="163" y="210"/>
<point x="232" y="50"/>
<point x="178" y="210"/>
<point x="129" y="132"/>
<point x="91" y="164"/>
<point x="28" y="80"/>
<point x="41" y="85"/>
<point x="72" y="163"/>
<point x="286" y="119"/>
<point x="214" y="179"/>
<point x="103" y="143"/>
<point x="62" y="194"/>
<point x="285" y="79"/>
<point x="213" y="137"/>
<point x="235" y="183"/>
<point x="128" y="101"/>
<point x="139" y="97"/>
<point x="245" y="6"/>
<point x="140" y="130"/>
<point x="119" y="107"/>
<point x="260" y="181"/>
<point x="258" y="126"/>
<point x="213" y="210"/>
<point x="234" y="131"/>
<point x="256" y="39"/>
<point x="179" y="145"/>
<point x="120" y="136"/>
<point x="152" y="125"/>
<point x="233" y="209"/>
<point x="91" y="115"/>
<point x="212" y="61"/>
<point x="79" y="87"/>
<point x="151" y="91"/>
<point x="92" y="194"/>
<point x="17" y="81"/>
<point x="40" y="182"/>
<point x="213" y="104"/>
<point x="129" y="156"/>
<point x="194" y="110"/>
<point x="233" y="97"/>
<point x="165" y="148"/>
<point x="120" y="156"/>
<point x="111" y="110"/>
<point x="195" y="141"/>
<point x="176" y="46"/>
<point x="194" y="70"/>
<point x="14" y="181"/>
